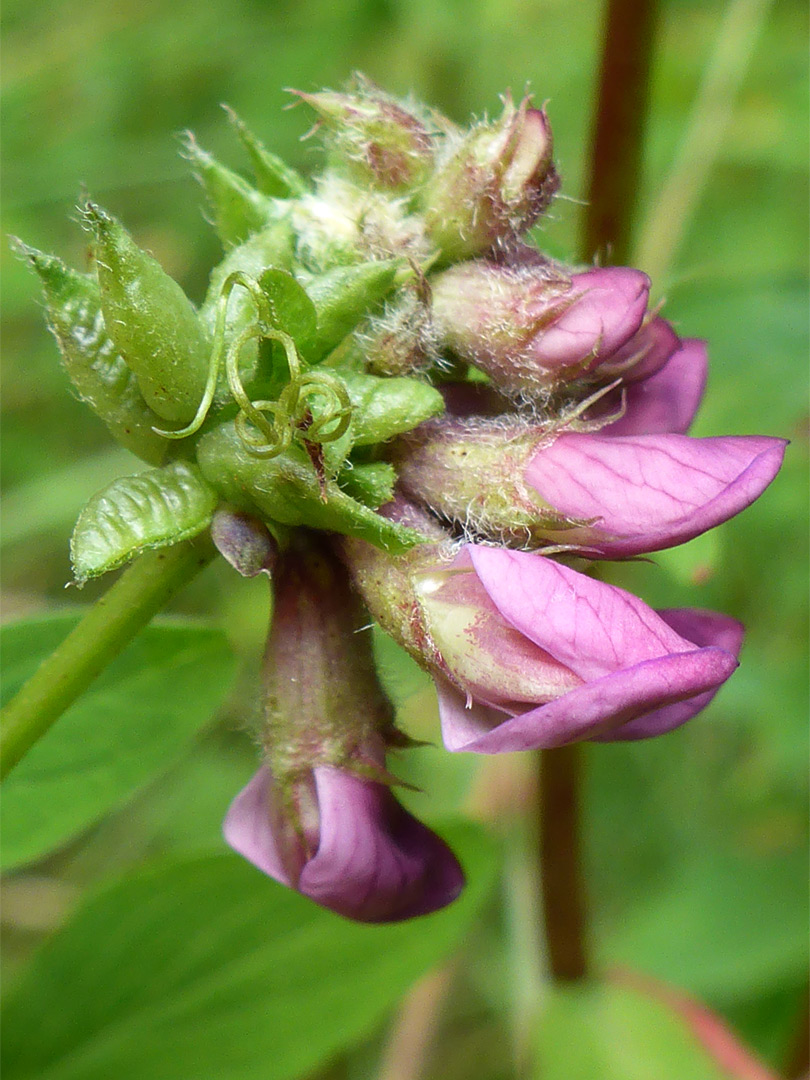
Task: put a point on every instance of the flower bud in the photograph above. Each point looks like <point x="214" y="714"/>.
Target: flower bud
<point x="612" y="496"/>
<point x="494" y="185"/>
<point x="372" y="138"/>
<point x="151" y="321"/>
<point x="532" y="328"/>
<point x="91" y="360"/>
<point x="320" y="816"/>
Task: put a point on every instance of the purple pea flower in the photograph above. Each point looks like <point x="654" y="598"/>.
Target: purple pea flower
<point x="531" y="328"/>
<point x="613" y="496"/>
<point x="356" y="852"/>
<point x="528" y="653"/>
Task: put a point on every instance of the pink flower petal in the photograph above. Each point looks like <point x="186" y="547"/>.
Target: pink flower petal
<point x="651" y="491"/>
<point x="667" y="401"/>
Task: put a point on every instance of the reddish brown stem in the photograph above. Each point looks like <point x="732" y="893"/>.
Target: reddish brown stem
<point x="562" y="877"/>
<point x="617" y="138"/>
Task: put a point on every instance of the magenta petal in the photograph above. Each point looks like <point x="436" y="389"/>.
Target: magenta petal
<point x="651" y="491"/>
<point x="374" y="862"/>
<point x="251" y="831"/>
<point x="592" y="628"/>
<point x="665" y="402"/>
<point x="604" y="705"/>
<point x="463" y="719"/>
<point x="609" y="309"/>
<point x="644" y="354"/>
<point x="705" y="628"/>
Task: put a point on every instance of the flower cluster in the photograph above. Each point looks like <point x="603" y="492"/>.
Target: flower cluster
<point x="389" y="403"/>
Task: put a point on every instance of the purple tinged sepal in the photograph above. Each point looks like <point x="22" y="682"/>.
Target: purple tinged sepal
<point x="493" y="185"/>
<point x="244" y="541"/>
<point x="319" y="816"/>
<point x="533" y="328"/>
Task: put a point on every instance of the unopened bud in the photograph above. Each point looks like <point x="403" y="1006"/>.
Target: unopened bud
<point x="494" y="185"/>
<point x="372" y="138"/>
<point x="532" y="328"/>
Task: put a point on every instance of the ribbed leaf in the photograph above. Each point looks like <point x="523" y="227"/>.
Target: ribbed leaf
<point x="134" y="513"/>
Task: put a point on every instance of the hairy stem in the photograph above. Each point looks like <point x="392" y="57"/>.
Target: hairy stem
<point x="617" y="137"/>
<point x="109" y="625"/>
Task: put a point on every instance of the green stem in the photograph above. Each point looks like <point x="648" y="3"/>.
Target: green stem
<point x="110" y="624"/>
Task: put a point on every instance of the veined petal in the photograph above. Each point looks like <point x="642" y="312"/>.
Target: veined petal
<point x="651" y="492"/>
<point x="591" y="627"/>
<point x="705" y="628"/>
<point x="375" y="862"/>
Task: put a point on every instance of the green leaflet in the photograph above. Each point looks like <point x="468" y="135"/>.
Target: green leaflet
<point x="151" y="320"/>
<point x="93" y="364"/>
<point x="239" y="209"/>
<point x="134" y="513"/>
<point x="286" y="489"/>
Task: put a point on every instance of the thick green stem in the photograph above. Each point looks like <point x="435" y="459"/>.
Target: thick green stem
<point x="617" y="138"/>
<point x="110" y="624"/>
<point x="562" y="878"/>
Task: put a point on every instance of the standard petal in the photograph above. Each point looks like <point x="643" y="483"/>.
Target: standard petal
<point x="591" y="627"/>
<point x="705" y="628"/>
<point x="667" y="401"/>
<point x="375" y="862"/>
<point x="604" y="705"/>
<point x="608" y="310"/>
<point x="651" y="492"/>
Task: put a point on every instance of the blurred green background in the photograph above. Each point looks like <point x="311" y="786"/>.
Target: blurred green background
<point x="697" y="842"/>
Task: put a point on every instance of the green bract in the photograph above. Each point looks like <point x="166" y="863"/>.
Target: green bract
<point x="134" y="513"/>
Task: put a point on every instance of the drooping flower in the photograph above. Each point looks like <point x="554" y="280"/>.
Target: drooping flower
<point x="319" y="816"/>
<point x="613" y="496"/>
<point x="361" y="854"/>
<point x="529" y="653"/>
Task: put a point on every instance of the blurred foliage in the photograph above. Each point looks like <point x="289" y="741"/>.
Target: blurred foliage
<point x="696" y="842"/>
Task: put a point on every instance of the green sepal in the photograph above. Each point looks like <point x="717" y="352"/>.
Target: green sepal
<point x="343" y="296"/>
<point x="287" y="489"/>
<point x="273" y="176"/>
<point x="151" y="321"/>
<point x="135" y="513"/>
<point x="93" y="364"/>
<point x="371" y="483"/>
<point x="387" y="407"/>
<point x="239" y="209"/>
